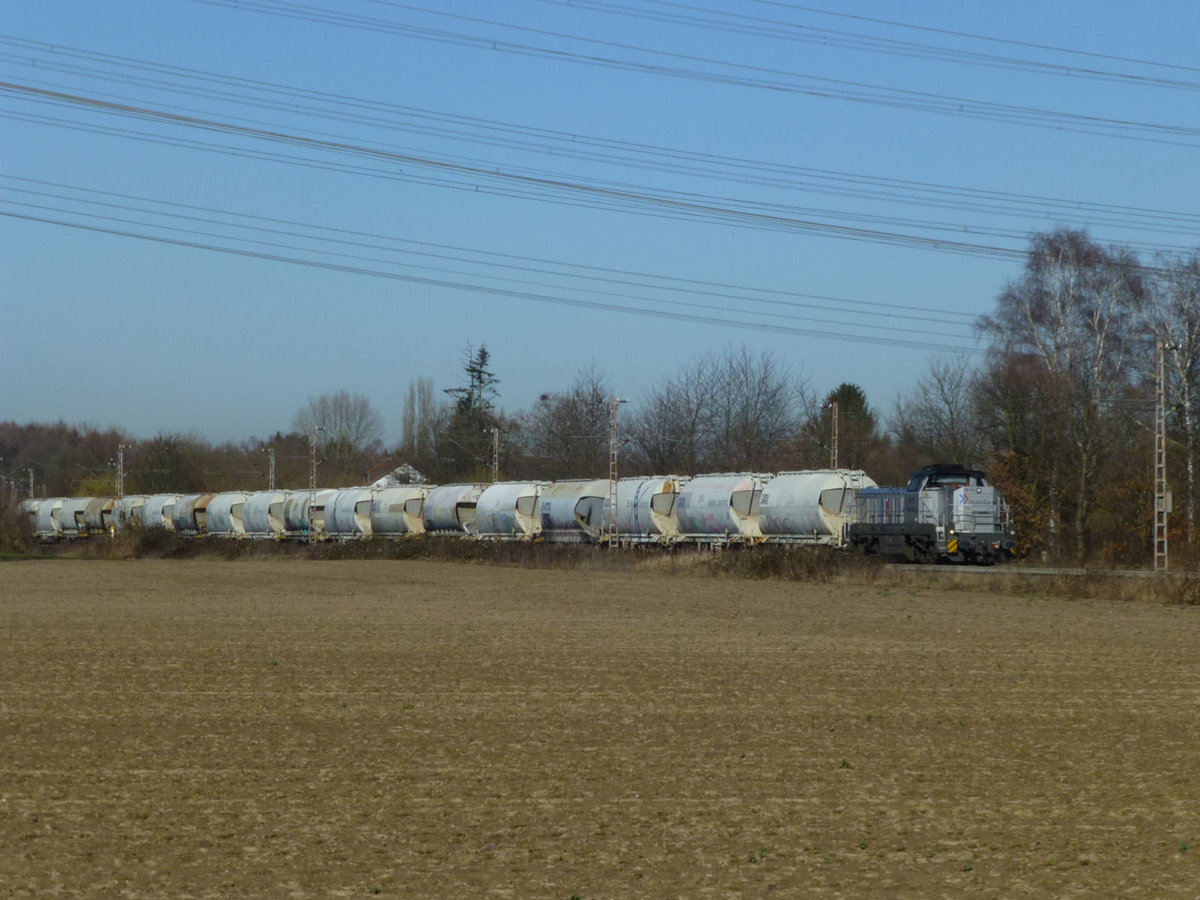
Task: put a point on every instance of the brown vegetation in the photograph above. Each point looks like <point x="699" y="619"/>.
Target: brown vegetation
<point x="813" y="565"/>
<point x="418" y="729"/>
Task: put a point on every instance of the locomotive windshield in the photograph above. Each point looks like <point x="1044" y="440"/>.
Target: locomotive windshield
<point x="942" y="476"/>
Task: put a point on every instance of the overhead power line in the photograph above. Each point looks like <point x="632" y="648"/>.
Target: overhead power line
<point x="512" y="183"/>
<point x="491" y="259"/>
<point x="691" y="67"/>
<point x="737" y="22"/>
<point x="939" y="346"/>
<point x="382" y="161"/>
<point x="104" y="210"/>
<point x="929" y="29"/>
<point x="543" y="143"/>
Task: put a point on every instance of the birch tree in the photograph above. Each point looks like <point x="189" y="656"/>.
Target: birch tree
<point x="1173" y="318"/>
<point x="1075" y="313"/>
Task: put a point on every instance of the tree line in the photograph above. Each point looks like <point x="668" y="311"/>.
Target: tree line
<point x="1060" y="412"/>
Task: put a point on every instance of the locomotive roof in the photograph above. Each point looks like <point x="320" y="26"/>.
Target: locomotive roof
<point x="941" y="469"/>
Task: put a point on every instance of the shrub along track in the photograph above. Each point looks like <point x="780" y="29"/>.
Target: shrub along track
<point x="432" y="729"/>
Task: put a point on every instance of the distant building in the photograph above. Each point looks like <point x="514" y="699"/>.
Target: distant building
<point x="387" y="473"/>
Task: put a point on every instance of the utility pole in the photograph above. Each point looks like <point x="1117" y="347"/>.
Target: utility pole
<point x="121" y="471"/>
<point x="495" y="453"/>
<point x="312" y="461"/>
<point x="833" y="442"/>
<point x="614" y="404"/>
<point x="1162" y="496"/>
<point x="30" y="471"/>
<point x="832" y="406"/>
<point x="270" y="451"/>
<point x="312" y="470"/>
<point x="312" y="474"/>
<point x="117" y="510"/>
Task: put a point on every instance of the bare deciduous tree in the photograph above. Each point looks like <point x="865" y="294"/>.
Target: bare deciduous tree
<point x="936" y="419"/>
<point x="349" y="422"/>
<point x="755" y="408"/>
<point x="667" y="431"/>
<point x="422" y="419"/>
<point x="740" y="410"/>
<point x="566" y="434"/>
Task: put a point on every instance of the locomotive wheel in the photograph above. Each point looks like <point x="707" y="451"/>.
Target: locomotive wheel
<point x="919" y="550"/>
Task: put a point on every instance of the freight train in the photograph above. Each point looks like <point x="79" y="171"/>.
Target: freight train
<point x="947" y="513"/>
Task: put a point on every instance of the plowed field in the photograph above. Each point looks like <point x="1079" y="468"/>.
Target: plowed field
<point x="313" y="729"/>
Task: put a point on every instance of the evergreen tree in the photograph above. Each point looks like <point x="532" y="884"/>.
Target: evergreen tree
<point x="468" y="440"/>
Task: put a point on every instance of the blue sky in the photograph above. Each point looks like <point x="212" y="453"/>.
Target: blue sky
<point x="213" y="211"/>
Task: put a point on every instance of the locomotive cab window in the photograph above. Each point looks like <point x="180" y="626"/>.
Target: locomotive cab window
<point x="937" y="477"/>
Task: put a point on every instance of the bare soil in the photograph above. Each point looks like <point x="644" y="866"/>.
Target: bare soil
<point x="312" y="729"/>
